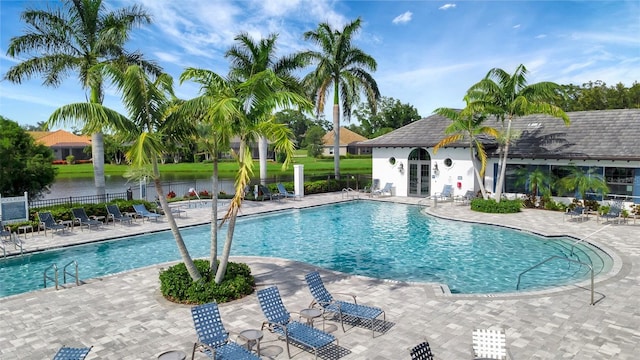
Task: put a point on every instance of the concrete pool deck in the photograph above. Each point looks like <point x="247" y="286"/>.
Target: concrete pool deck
<point x="124" y="316"/>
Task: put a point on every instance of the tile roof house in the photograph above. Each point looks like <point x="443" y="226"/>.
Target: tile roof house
<point x="349" y="141"/>
<point x="63" y="143"/>
<point x="605" y="140"/>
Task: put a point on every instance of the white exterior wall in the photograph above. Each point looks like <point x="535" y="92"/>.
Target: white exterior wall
<point x="461" y="169"/>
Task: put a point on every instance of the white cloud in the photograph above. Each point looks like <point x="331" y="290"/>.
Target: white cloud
<point x="447" y="6"/>
<point x="403" y="18"/>
<point x="516" y="26"/>
<point x="541" y="36"/>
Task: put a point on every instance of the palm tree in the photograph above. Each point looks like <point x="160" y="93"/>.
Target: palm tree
<point x="536" y="180"/>
<point x="468" y="126"/>
<point x="343" y="68"/>
<point x="508" y="97"/>
<point x="248" y="58"/>
<point x="152" y="123"/>
<point x="233" y="108"/>
<point x="74" y="39"/>
<point x="581" y="182"/>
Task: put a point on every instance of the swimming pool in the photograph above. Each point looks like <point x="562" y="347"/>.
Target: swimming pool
<point x="376" y="239"/>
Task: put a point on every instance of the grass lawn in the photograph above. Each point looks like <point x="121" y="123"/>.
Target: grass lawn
<point x="228" y="169"/>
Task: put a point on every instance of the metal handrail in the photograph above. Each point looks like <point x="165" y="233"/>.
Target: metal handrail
<point x="64" y="273"/>
<point x="561" y="258"/>
<point x="586" y="237"/>
<point x="4" y="251"/>
<point x="16" y="242"/>
<point x="55" y="269"/>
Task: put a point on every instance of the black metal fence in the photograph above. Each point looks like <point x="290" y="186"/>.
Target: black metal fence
<point x="90" y="199"/>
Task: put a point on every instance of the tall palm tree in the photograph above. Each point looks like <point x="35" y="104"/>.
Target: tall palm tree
<point x="233" y="108"/>
<point x="152" y="123"/>
<point x="470" y="127"/>
<point x="74" y="39"/>
<point x="248" y="58"/>
<point x="343" y="69"/>
<point x="508" y="96"/>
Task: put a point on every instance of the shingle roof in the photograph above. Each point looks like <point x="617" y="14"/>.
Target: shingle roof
<point x="346" y="137"/>
<point x="60" y="138"/>
<point x="603" y="135"/>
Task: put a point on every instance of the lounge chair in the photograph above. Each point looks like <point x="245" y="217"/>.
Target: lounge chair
<point x="284" y="193"/>
<point x="388" y="187"/>
<point x="213" y="339"/>
<point x="69" y="353"/>
<point x="421" y="351"/>
<point x="615" y="212"/>
<point x="445" y="195"/>
<point x="81" y="217"/>
<point x="113" y="212"/>
<point x="264" y="193"/>
<point x="279" y="321"/>
<point x="48" y="223"/>
<point x="174" y="211"/>
<point x="578" y="212"/>
<point x="490" y="344"/>
<point x="464" y="199"/>
<point x="4" y="232"/>
<point x="375" y="185"/>
<point x="142" y="212"/>
<point x="341" y="308"/>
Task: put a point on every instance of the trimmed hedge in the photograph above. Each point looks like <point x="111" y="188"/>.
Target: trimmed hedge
<point x="491" y="206"/>
<point x="176" y="284"/>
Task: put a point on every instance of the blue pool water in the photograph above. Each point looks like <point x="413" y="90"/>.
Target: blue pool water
<point x="381" y="240"/>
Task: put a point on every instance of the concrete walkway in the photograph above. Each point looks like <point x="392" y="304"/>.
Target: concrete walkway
<point x="124" y="316"/>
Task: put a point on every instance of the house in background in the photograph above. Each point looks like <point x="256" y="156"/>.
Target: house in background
<point x="349" y="143"/>
<point x="604" y="142"/>
<point x="63" y="143"/>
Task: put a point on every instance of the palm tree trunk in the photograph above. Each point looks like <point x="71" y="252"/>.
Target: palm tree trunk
<point x="336" y="143"/>
<point x="184" y="252"/>
<point x="226" y="251"/>
<point x="503" y="166"/>
<point x="262" y="151"/>
<point x="213" y="251"/>
<point x="97" y="153"/>
<point x="478" y="177"/>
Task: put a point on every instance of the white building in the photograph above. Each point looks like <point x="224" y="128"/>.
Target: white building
<point x="606" y="141"/>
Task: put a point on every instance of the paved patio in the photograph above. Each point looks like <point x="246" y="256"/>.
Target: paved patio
<point x="124" y="316"/>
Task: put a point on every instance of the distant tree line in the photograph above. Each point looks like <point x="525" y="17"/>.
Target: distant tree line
<point x="597" y="95"/>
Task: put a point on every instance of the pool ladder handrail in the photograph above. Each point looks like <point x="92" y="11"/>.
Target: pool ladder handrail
<point x="64" y="274"/>
<point x="16" y="243"/>
<point x="346" y="192"/>
<point x="562" y="258"/>
<point x="586" y="237"/>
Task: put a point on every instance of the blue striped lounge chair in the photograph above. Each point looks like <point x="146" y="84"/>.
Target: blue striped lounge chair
<point x="294" y="332"/>
<point x="142" y="212"/>
<point x="69" y="353"/>
<point x="342" y="309"/>
<point x="213" y="339"/>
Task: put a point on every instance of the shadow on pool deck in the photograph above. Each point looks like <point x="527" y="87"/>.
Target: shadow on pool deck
<point x="124" y="316"/>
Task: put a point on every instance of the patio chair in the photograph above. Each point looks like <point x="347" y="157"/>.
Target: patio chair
<point x="81" y="217"/>
<point x="174" y="210"/>
<point x="213" y="339"/>
<point x="421" y="351"/>
<point x="142" y="212"/>
<point x="4" y="232"/>
<point x="342" y="309"/>
<point x="279" y="321"/>
<point x="69" y="353"/>
<point x="265" y="193"/>
<point x="284" y="193"/>
<point x="388" y="187"/>
<point x="615" y="212"/>
<point x="113" y="212"/>
<point x="445" y="195"/>
<point x="490" y="344"/>
<point x="466" y="198"/>
<point x="48" y="223"/>
<point x="375" y="185"/>
<point x="579" y="212"/>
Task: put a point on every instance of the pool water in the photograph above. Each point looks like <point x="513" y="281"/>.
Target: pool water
<point x="375" y="239"/>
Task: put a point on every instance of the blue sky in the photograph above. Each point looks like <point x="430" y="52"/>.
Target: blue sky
<point x="428" y="52"/>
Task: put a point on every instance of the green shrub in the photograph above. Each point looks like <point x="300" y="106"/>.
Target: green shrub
<point x="176" y="284"/>
<point x="491" y="206"/>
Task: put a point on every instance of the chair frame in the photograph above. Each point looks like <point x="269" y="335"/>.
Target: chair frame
<point x="446" y="193"/>
<point x="48" y="222"/>
<point x="286" y="193"/>
<point x="326" y="301"/>
<point x="80" y="215"/>
<point x="143" y="212"/>
<point x="579" y="212"/>
<point x="614" y="214"/>
<point x="388" y="188"/>
<point x="213" y="338"/>
<point x="114" y="213"/>
<point x="490" y="344"/>
<point x="421" y="351"/>
<point x="279" y="321"/>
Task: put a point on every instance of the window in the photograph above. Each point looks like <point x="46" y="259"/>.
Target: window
<point x="619" y="180"/>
